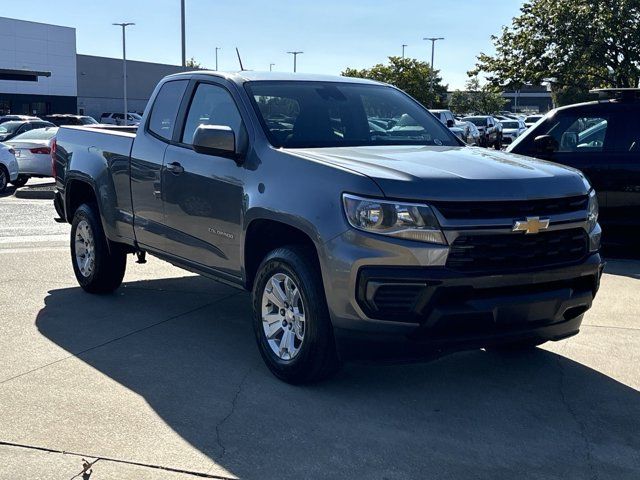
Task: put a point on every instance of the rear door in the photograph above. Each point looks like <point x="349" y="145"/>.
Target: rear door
<point x="204" y="193"/>
<point x="147" y="157"/>
<point x="622" y="182"/>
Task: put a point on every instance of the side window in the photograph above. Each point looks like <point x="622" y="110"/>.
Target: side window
<point x="211" y="105"/>
<point x="575" y="133"/>
<point x="165" y="108"/>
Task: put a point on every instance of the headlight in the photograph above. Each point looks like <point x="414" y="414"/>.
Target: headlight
<point x="410" y="221"/>
<point x="592" y="211"/>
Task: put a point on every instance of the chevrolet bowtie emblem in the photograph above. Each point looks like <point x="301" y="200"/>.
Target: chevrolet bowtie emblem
<point x="531" y="225"/>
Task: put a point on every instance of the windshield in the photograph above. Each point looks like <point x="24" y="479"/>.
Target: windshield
<point x="134" y="116"/>
<point x="477" y="121"/>
<point x="533" y="118"/>
<point x="37" y="134"/>
<point x="302" y="114"/>
<point x="88" y="121"/>
<point x="510" y="124"/>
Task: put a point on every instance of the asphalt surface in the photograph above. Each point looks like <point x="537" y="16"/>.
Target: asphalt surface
<point x="162" y="380"/>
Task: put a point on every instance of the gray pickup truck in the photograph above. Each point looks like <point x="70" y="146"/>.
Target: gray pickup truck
<point x="360" y="223"/>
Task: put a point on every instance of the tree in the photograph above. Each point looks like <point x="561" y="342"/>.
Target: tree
<point x="408" y="74"/>
<point x="192" y="63"/>
<point x="476" y="99"/>
<point x="575" y="45"/>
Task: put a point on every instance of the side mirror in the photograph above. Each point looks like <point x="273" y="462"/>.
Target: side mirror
<point x="450" y="123"/>
<point x="545" y="144"/>
<point x="216" y="140"/>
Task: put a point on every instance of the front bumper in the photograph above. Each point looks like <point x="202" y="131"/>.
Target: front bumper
<point x="450" y="311"/>
<point x="379" y="308"/>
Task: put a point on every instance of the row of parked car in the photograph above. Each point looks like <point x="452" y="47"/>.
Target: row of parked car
<point x="25" y="142"/>
<point x="487" y="130"/>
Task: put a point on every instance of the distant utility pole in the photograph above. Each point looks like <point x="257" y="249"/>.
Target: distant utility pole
<point x="217" y="48"/>
<point x="403" y="45"/>
<point x="433" y="41"/>
<point x="271" y="65"/>
<point x="295" y="58"/>
<point x="124" y="65"/>
<point x="184" y="48"/>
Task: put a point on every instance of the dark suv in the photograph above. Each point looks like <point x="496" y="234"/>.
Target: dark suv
<point x="602" y="139"/>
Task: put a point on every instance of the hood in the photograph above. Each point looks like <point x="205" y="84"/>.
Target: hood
<point x="453" y="173"/>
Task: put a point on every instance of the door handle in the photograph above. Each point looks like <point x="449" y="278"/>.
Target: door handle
<point x="175" y="167"/>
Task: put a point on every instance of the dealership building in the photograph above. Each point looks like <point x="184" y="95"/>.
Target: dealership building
<point x="41" y="73"/>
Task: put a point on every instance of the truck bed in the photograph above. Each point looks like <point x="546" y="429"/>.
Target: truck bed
<point x="100" y="153"/>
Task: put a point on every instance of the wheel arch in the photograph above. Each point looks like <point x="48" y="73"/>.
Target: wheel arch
<point x="264" y="234"/>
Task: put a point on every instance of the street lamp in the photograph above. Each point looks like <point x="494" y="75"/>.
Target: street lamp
<point x="295" y="58"/>
<point x="433" y="41"/>
<point x="403" y="45"/>
<point x="182" y="34"/>
<point x="217" y="48"/>
<point x="271" y="65"/>
<point x="124" y="65"/>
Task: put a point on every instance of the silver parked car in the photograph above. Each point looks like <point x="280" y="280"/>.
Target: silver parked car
<point x="512" y="129"/>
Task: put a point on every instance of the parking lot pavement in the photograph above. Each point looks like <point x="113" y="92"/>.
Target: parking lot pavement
<point x="163" y="378"/>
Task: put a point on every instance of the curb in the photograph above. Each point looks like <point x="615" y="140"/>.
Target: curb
<point x="32" y="193"/>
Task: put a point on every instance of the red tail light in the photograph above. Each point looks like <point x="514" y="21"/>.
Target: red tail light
<point x="54" y="147"/>
<point x="41" y="150"/>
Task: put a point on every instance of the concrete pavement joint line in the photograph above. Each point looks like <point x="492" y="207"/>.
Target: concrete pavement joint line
<point x="228" y="416"/>
<point x="613" y="326"/>
<point x="116" y="460"/>
<point x="77" y="354"/>
<point x="576" y="419"/>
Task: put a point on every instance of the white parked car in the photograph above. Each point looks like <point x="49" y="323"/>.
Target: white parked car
<point x="512" y="129"/>
<point x="111" y="118"/>
<point x="8" y="166"/>
<point x="532" y="120"/>
<point x="33" y="153"/>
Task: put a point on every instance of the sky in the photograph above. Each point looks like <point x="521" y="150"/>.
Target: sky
<point x="333" y="34"/>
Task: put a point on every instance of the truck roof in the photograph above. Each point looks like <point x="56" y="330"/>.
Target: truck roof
<point x="250" y="76"/>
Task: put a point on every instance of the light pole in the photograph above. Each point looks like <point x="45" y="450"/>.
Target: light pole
<point x="403" y="45"/>
<point x="433" y="41"/>
<point x="124" y="65"/>
<point x="217" y="48"/>
<point x="295" y="58"/>
<point x="271" y="65"/>
<point x="182" y="31"/>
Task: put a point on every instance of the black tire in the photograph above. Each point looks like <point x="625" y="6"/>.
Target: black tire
<point x="4" y="178"/>
<point x="317" y="358"/>
<point x="21" y="181"/>
<point x="110" y="260"/>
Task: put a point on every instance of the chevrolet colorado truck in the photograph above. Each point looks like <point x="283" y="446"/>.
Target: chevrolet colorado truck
<point x="354" y="236"/>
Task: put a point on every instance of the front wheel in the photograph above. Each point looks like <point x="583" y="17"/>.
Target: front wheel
<point x="291" y="318"/>
<point x="98" y="266"/>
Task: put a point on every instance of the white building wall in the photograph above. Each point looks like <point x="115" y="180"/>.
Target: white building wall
<point x="37" y="46"/>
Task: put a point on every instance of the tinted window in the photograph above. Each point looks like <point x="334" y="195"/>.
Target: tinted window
<point x="165" y="108"/>
<point x="477" y="121"/>
<point x="628" y="136"/>
<point x="211" y="105"/>
<point x="578" y="133"/>
<point x="326" y="114"/>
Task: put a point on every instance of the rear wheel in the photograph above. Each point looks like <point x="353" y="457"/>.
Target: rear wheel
<point x="291" y="318"/>
<point x="4" y="178"/>
<point x="98" y="266"/>
<point x="21" y="181"/>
